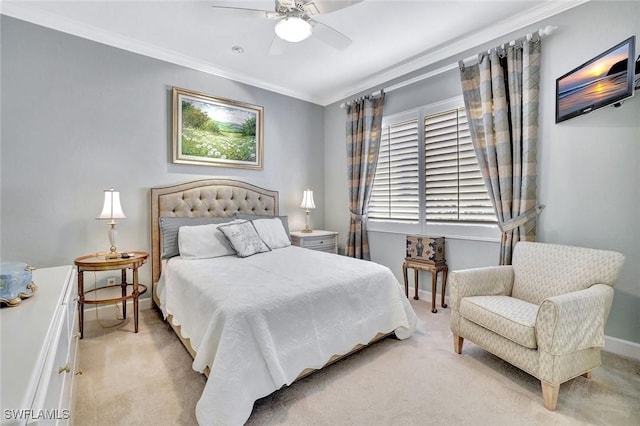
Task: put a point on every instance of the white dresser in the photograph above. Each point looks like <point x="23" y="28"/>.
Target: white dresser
<point x="38" y="355"/>
<point x="316" y="240"/>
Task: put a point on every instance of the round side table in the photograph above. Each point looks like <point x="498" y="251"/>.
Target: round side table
<point x="93" y="262"/>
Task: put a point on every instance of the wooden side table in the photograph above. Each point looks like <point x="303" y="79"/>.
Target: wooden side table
<point x="93" y="262"/>
<point x="433" y="268"/>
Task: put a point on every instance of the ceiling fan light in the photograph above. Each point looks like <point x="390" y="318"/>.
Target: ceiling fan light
<point x="293" y="29"/>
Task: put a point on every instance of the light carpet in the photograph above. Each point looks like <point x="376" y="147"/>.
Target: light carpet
<point x="146" y="379"/>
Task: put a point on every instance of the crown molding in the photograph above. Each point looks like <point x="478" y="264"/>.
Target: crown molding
<point x="26" y="12"/>
<point x="470" y="41"/>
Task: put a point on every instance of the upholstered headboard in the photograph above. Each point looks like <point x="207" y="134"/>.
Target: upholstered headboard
<point x="205" y="198"/>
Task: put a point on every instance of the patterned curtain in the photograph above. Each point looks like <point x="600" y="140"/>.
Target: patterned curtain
<point x="501" y="96"/>
<point x="364" y="125"/>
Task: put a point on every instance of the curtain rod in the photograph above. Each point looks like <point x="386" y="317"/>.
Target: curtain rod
<point x="548" y="30"/>
<point x="542" y="32"/>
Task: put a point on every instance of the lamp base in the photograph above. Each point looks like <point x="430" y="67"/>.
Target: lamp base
<point x="113" y="253"/>
<point x="307" y="228"/>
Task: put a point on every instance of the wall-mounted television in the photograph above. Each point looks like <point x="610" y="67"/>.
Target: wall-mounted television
<point x="604" y="80"/>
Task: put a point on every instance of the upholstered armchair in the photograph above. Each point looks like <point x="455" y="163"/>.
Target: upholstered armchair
<point x="544" y="314"/>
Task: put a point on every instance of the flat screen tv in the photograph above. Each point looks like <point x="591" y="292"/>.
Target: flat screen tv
<point x="604" y="80"/>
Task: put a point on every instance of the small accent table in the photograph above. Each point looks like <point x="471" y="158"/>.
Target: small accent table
<point x="433" y="268"/>
<point x="94" y="262"/>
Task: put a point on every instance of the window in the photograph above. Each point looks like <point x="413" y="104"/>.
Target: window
<point x="455" y="190"/>
<point x="448" y="182"/>
<point x="395" y="193"/>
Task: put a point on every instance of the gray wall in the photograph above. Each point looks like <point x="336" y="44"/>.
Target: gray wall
<point x="79" y="117"/>
<point x="589" y="167"/>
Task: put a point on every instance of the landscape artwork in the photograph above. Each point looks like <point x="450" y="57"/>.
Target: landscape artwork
<point x="216" y="132"/>
<point x="605" y="78"/>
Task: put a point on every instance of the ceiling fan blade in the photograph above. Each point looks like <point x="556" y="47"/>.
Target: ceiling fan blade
<point x="317" y="7"/>
<point x="330" y="36"/>
<point x="257" y="13"/>
<point x="278" y="46"/>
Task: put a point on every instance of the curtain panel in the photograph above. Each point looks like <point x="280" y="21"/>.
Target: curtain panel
<point x="501" y="96"/>
<point x="363" y="133"/>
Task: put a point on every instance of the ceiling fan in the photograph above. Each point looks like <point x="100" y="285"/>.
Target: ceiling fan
<point x="296" y="23"/>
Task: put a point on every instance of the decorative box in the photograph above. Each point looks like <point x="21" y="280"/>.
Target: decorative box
<point x="15" y="282"/>
<point x="425" y="249"/>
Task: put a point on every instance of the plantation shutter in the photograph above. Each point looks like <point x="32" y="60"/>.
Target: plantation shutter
<point x="454" y="187"/>
<point x="395" y="193"/>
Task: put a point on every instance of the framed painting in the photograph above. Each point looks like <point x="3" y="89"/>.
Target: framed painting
<point x="216" y="132"/>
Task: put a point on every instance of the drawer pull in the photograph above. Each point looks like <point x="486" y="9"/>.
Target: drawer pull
<point x="79" y="372"/>
<point x="65" y="369"/>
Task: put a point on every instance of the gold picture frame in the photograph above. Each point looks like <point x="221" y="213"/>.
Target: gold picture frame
<point x="216" y="132"/>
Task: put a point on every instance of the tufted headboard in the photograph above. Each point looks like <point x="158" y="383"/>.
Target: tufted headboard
<point x="205" y="198"/>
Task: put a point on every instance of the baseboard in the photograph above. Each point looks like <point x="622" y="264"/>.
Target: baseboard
<point x="145" y="304"/>
<point x="426" y="295"/>
<point x="107" y="310"/>
<point x="622" y="347"/>
<point x="614" y="345"/>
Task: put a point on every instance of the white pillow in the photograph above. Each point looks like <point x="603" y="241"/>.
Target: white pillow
<point x="272" y="232"/>
<point x="244" y="238"/>
<point x="203" y="241"/>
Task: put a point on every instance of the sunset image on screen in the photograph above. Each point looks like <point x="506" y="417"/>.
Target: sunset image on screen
<point x="603" y="79"/>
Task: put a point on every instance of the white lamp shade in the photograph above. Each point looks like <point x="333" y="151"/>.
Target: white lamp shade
<point x="293" y="29"/>
<point x="111" y="208"/>
<point x="307" y="200"/>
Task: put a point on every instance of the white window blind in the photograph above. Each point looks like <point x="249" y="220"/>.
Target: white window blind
<point x="451" y="190"/>
<point x="454" y="187"/>
<point x="396" y="191"/>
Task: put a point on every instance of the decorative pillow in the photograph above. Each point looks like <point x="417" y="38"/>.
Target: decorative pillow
<point x="169" y="227"/>
<point x="202" y="242"/>
<point x="244" y="238"/>
<point x="272" y="232"/>
<point x="283" y="219"/>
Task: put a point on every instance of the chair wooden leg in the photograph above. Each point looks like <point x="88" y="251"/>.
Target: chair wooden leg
<point x="457" y="343"/>
<point x="587" y="375"/>
<point x="550" y="395"/>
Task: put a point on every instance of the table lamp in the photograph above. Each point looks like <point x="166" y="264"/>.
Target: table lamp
<point x="307" y="203"/>
<point x="111" y="210"/>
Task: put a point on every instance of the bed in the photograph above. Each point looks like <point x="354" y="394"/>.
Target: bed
<point x="256" y="323"/>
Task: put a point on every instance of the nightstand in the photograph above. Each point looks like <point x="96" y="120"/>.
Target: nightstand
<point x="94" y="263"/>
<point x="316" y="240"/>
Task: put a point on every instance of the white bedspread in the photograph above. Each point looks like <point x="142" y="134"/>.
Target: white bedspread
<point x="258" y="322"/>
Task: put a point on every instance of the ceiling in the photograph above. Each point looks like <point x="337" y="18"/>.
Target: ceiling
<point x="389" y="38"/>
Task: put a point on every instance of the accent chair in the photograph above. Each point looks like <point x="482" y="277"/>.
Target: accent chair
<point x="544" y="314"/>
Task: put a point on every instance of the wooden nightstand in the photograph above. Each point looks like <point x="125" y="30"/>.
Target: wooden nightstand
<point x="93" y="262"/>
<point x="316" y="240"/>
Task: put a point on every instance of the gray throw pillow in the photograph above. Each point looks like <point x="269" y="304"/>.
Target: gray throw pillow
<point x="169" y="227"/>
<point x="283" y="219"/>
<point x="244" y="238"/>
